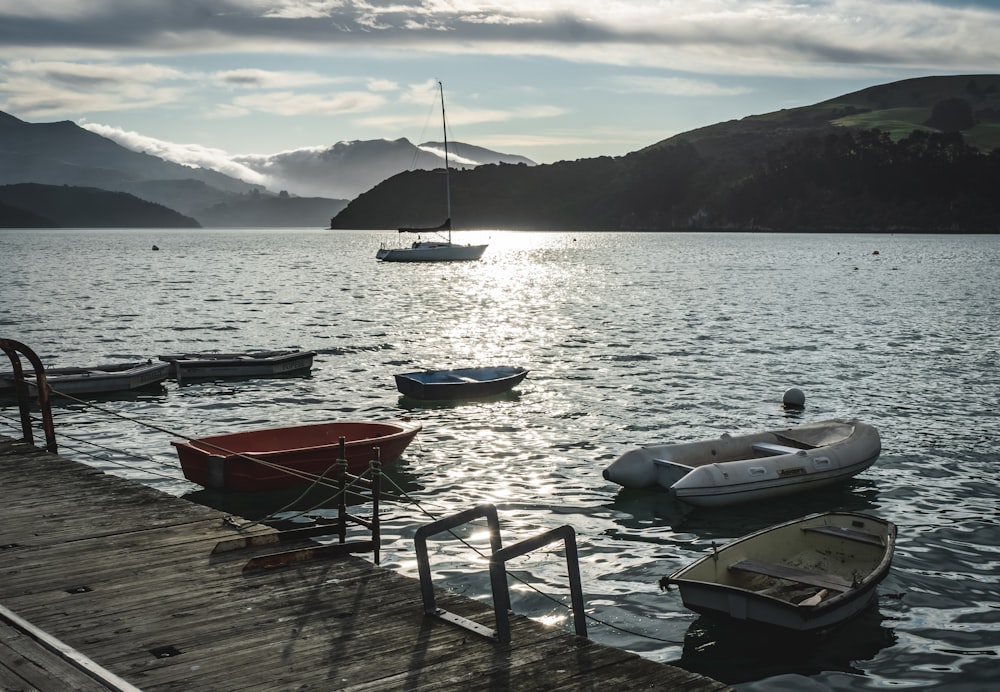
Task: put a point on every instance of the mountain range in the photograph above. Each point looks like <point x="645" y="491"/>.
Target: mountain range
<point x="915" y="155"/>
<point x="303" y="188"/>
<point x="919" y="155"/>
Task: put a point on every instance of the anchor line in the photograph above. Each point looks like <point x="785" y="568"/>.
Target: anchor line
<point x="321" y="480"/>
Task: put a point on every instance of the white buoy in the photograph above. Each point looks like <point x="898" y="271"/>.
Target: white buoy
<point x="794" y="398"/>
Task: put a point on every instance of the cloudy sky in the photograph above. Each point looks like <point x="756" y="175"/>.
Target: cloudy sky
<point x="548" y="79"/>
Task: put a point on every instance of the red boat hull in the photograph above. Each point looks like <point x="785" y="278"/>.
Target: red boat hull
<point x="292" y="455"/>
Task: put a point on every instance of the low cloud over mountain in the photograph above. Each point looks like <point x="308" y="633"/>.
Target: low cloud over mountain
<point x="341" y="171"/>
<point x="305" y="187"/>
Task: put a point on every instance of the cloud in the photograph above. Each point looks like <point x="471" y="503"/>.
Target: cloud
<point x="346" y="65"/>
<point x="765" y="36"/>
<point x="43" y="88"/>
<point x="460" y="116"/>
<point x="291" y="103"/>
<point x="251" y="78"/>
<point x="673" y="86"/>
<point x="185" y="154"/>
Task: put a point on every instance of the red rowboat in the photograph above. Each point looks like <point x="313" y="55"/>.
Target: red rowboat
<point x="289" y="456"/>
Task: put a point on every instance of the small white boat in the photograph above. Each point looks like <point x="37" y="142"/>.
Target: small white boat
<point x="461" y="383"/>
<point x="734" y="469"/>
<point x="250" y="364"/>
<point x="806" y="575"/>
<point x="98" y="379"/>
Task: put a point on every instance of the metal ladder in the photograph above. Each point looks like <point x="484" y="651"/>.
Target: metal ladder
<point x="498" y="570"/>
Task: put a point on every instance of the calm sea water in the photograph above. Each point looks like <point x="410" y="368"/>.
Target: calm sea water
<point x="631" y="339"/>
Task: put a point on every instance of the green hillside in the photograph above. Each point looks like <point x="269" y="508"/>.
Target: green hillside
<point x="901" y="107"/>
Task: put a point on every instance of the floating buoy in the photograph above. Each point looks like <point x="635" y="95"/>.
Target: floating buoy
<point x="794" y="398"/>
<point x="875" y="253"/>
<point x="155" y="247"/>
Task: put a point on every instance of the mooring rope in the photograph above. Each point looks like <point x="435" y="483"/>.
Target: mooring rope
<point x="551" y="598"/>
<point x="316" y="479"/>
<point x="320" y="480"/>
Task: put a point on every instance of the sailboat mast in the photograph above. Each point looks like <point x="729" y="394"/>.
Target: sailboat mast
<point x="447" y="167"/>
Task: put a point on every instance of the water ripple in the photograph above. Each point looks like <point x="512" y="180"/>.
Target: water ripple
<point x="631" y="339"/>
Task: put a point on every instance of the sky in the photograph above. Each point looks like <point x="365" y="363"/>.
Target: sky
<point x="200" y="81"/>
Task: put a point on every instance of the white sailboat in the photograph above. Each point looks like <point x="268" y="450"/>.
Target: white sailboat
<point x="439" y="248"/>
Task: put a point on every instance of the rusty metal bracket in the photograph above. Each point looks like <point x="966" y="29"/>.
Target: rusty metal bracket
<point x="339" y="527"/>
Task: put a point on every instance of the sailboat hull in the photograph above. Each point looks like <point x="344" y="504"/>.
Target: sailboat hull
<point x="432" y="252"/>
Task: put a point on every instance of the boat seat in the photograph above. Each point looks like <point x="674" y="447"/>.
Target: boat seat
<point x="790" y="573"/>
<point x="772" y="449"/>
<point x="849" y="534"/>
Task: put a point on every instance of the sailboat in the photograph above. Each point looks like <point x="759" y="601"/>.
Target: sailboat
<point x="439" y="247"/>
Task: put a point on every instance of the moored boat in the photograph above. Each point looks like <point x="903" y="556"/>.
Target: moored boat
<point x="273" y="458"/>
<point x="806" y="575"/>
<point x="460" y="383"/>
<point x="249" y="364"/>
<point x="432" y="251"/>
<point x="97" y="379"/>
<point x="439" y="248"/>
<point x="733" y="469"/>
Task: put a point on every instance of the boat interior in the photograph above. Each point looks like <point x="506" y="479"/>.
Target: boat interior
<point x="796" y="562"/>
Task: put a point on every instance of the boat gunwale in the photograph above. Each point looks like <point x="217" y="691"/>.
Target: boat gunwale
<point x="740" y="441"/>
<point x="515" y="372"/>
<point x="209" y="443"/>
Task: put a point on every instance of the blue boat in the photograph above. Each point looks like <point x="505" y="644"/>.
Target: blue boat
<point x="461" y="383"/>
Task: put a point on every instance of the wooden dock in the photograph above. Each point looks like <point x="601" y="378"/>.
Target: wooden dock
<point x="108" y="584"/>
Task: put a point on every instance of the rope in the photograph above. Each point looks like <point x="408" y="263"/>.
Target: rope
<point x="320" y="481"/>
<point x="554" y="600"/>
<point x="121" y="464"/>
<point x="304" y="475"/>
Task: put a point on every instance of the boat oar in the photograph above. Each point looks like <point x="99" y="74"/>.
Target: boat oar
<point x="814" y="600"/>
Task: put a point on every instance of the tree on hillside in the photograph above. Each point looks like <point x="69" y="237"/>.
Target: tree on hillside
<point x="951" y="115"/>
<point x="926" y="181"/>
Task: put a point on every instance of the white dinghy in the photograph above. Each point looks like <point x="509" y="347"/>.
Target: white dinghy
<point x="806" y="575"/>
<point x="734" y="469"/>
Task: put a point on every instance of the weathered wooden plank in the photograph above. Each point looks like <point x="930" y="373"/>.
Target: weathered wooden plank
<point x="28" y="664"/>
<point x="156" y="589"/>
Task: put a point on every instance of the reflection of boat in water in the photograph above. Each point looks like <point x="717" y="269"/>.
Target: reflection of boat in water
<point x="735" y="654"/>
<point x="638" y="507"/>
<point x="316" y="503"/>
<point x="411" y="404"/>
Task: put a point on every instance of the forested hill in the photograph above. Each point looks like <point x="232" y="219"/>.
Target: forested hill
<point x="30" y="205"/>
<point x="919" y="155"/>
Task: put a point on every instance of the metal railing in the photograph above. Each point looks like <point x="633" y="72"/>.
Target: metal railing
<point x="23" y="389"/>
<point x="499" y="556"/>
<point x="346" y="482"/>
